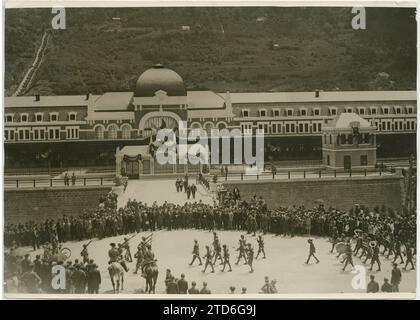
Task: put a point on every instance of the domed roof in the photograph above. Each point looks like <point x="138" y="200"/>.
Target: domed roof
<point x="159" y="78"/>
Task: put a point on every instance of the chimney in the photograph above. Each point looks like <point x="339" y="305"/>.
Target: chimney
<point x="37" y="97"/>
<point x="316" y="93"/>
<point x="87" y="96"/>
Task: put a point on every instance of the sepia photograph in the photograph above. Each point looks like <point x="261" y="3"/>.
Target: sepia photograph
<point x="253" y="151"/>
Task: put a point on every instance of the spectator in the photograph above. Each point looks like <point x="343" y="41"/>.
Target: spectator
<point x="373" y="286"/>
<point x="395" y="278"/>
<point x="386" y="287"/>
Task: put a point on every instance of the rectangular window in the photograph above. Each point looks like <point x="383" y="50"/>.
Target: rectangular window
<point x="303" y="112"/>
<point x="333" y="112"/>
<point x="53" y="117"/>
<point x="9" y="134"/>
<point x="276" y="113"/>
<point x="245" y="113"/>
<point x="373" y="111"/>
<point x="39" y="133"/>
<point x="53" y="134"/>
<point x="289" y="112"/>
<point x="72" y="117"/>
<point x="274" y="128"/>
<point x="300" y="127"/>
<point x="72" y="133"/>
<point x="363" y="160"/>
<point x="366" y="138"/>
<point x="292" y="127"/>
<point x="9" y="118"/>
<point x="316" y="112"/>
<point x="24" y="134"/>
<point x="262" y="113"/>
<point x="287" y="129"/>
<point x="409" y="110"/>
<point x="23" y="118"/>
<point x="38" y="117"/>
<point x="361" y="111"/>
<point x="386" y="111"/>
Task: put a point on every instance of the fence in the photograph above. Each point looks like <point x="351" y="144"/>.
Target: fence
<point x="50" y="183"/>
<point x="303" y="174"/>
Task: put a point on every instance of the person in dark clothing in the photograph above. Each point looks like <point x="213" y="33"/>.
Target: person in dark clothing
<point x="193" y="289"/>
<point x="93" y="279"/>
<point x="182" y="285"/>
<point x="311" y="251"/>
<point x="386" y="287"/>
<point x="172" y="287"/>
<point x="373" y="286"/>
<point x="193" y="190"/>
<point x="395" y="278"/>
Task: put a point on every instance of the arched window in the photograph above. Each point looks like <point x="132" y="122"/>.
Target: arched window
<point x="99" y="132"/>
<point x="112" y="132"/>
<point x="126" y="131"/>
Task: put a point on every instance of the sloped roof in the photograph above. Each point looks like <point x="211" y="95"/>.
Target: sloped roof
<point x="111" y="101"/>
<point x="47" y="101"/>
<point x="324" y="96"/>
<point x="344" y="120"/>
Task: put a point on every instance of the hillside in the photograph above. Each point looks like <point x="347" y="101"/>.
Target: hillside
<point x="236" y="49"/>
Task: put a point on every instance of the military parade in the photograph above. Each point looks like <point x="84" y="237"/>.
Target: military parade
<point x="370" y="235"/>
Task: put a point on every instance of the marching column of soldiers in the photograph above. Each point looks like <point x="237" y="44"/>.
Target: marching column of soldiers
<point x="221" y="252"/>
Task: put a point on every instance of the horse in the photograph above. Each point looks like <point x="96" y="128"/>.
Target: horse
<point x="151" y="272"/>
<point x="116" y="270"/>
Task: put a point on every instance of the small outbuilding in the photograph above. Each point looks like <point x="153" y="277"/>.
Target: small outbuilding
<point x="349" y="143"/>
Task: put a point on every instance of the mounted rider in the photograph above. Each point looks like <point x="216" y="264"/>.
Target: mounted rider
<point x="148" y="259"/>
<point x="114" y="255"/>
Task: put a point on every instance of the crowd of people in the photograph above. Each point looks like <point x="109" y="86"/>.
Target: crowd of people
<point x="391" y="232"/>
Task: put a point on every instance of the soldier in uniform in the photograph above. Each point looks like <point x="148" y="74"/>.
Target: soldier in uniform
<point x="126" y="246"/>
<point x="85" y="254"/>
<point x="115" y="256"/>
<point x="375" y="258"/>
<point x="311" y="251"/>
<point x="209" y="258"/>
<point x="242" y="250"/>
<point x="250" y="253"/>
<point x="196" y="253"/>
<point x="349" y="256"/>
<point x="409" y="258"/>
<point x="139" y="256"/>
<point x="260" y="241"/>
<point x="217" y="250"/>
<point x="226" y="258"/>
<point x="397" y="250"/>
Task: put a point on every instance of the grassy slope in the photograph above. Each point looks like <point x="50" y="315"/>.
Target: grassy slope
<point x="317" y="49"/>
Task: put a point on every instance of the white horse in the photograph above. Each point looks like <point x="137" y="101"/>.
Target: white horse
<point x="116" y="271"/>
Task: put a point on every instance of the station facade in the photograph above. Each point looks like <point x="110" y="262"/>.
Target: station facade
<point x="86" y="130"/>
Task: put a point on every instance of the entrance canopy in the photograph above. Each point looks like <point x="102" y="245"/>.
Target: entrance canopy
<point x="133" y="151"/>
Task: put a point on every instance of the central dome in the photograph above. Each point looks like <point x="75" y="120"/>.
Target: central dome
<point x="159" y="78"/>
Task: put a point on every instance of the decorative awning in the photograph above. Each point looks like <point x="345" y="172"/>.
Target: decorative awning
<point x="132" y="158"/>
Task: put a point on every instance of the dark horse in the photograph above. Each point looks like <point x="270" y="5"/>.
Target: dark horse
<point x="151" y="275"/>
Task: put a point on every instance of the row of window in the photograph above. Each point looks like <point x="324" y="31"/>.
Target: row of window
<point x="113" y="132"/>
<point x="277" y="128"/>
<point x="39" y="117"/>
<point x="11" y="134"/>
<point x="396" y="125"/>
<point x="349" y="139"/>
<point x="332" y="111"/>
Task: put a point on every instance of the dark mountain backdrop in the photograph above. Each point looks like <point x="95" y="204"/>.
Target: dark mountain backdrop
<point x="236" y="49"/>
